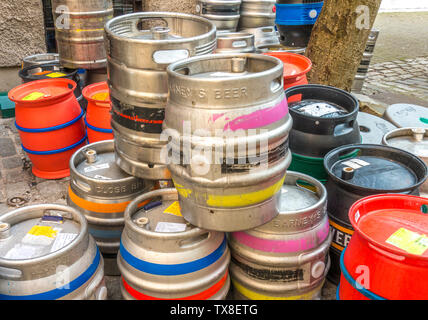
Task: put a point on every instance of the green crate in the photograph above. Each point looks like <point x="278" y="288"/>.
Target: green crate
<point x="7" y="107"/>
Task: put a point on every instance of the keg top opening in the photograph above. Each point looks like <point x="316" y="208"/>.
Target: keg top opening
<point x="296" y="197"/>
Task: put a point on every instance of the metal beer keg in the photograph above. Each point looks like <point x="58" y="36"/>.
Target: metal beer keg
<point x="223" y="13"/>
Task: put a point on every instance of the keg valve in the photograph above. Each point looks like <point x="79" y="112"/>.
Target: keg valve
<point x="4" y="230"/>
<point x="418" y="134"/>
<point x="160" y="33"/>
<point x="142" y="222"/>
<point x="347" y="173"/>
<point x="91" y="155"/>
<point x="238" y="65"/>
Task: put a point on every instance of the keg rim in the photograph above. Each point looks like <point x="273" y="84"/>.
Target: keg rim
<point x="159" y="15"/>
<point x="330" y="160"/>
<point x="172" y="73"/>
<point x="402" y="132"/>
<point x="221" y="2"/>
<point x="235" y="35"/>
<point x="133" y="208"/>
<point x="19" y="215"/>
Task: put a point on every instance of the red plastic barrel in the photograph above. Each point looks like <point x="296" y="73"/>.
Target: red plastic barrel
<point x="50" y="124"/>
<point x="296" y="66"/>
<point x="387" y="257"/>
<point x="98" y="115"/>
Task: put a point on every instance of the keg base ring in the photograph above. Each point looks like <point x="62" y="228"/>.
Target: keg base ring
<point x="142" y="170"/>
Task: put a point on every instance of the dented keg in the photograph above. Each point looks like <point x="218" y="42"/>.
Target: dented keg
<point x="286" y="258"/>
<point x="223" y="13"/>
<point x="101" y="191"/>
<point x="257" y="13"/>
<point x="138" y="87"/>
<point x="46" y="253"/>
<point x="235" y="42"/>
<point x="373" y="169"/>
<point x="325" y="118"/>
<point x="228" y="121"/>
<point x="79" y="32"/>
<point x="413" y="140"/>
<point x="163" y="257"/>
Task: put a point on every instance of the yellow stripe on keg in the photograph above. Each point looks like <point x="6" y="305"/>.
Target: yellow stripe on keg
<point x="343" y="229"/>
<point x="257" y="296"/>
<point x="236" y="200"/>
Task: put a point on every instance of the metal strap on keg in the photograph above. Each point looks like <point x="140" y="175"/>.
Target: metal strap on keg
<point x="98" y="129"/>
<point x="297" y="14"/>
<point x="48" y="129"/>
<point x="74" y="145"/>
<point x="173" y="269"/>
<point x="354" y="283"/>
<point x="65" y="289"/>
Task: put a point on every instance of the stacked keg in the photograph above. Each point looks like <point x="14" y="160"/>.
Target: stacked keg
<point x="223" y="13"/>
<point x="235" y="42"/>
<point x="295" y="20"/>
<point x="363" y="68"/>
<point x="140" y="47"/>
<point x="258" y="18"/>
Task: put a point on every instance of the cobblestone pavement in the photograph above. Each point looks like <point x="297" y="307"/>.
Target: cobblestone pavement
<point x="407" y="78"/>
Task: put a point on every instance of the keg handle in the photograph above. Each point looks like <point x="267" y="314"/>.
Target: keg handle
<point x="194" y="241"/>
<point x="81" y="185"/>
<point x="386" y="253"/>
<point x="10" y="273"/>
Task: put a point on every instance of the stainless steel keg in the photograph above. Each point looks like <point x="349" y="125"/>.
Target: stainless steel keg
<point x="227" y="118"/>
<point x="264" y="37"/>
<point x="140" y="46"/>
<point x="46" y="253"/>
<point x="235" y="42"/>
<point x="163" y="257"/>
<point x="79" y="29"/>
<point x="373" y="128"/>
<point x="286" y="258"/>
<point x="38" y="59"/>
<point x="223" y="13"/>
<point x="413" y="140"/>
<point x="257" y="13"/>
<point x="101" y="191"/>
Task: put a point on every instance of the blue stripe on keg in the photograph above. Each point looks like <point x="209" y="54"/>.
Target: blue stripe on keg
<point x="173" y="269"/>
<point x="106" y="234"/>
<point x="74" y="145"/>
<point x="298" y="14"/>
<point x="354" y="283"/>
<point x="98" y="129"/>
<point x="64" y="290"/>
<point x="61" y="126"/>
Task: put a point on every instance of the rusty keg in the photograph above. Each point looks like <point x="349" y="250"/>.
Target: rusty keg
<point x="228" y="122"/>
<point x="235" y="42"/>
<point x="286" y="258"/>
<point x="413" y="140"/>
<point x="372" y="169"/>
<point x="79" y="30"/>
<point x="140" y="47"/>
<point x="46" y="253"/>
<point x="223" y="13"/>
<point x="257" y="13"/>
<point x="163" y="257"/>
<point x="101" y="191"/>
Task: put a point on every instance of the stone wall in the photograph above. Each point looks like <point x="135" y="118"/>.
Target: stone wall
<point x="21" y="30"/>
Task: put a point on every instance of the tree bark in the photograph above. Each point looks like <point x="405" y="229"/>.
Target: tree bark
<point x="338" y="41"/>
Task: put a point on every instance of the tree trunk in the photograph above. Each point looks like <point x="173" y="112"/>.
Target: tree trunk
<point x="338" y="41"/>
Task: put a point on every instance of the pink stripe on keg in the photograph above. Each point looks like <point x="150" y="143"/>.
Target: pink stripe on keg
<point x="257" y="119"/>
<point x="301" y="244"/>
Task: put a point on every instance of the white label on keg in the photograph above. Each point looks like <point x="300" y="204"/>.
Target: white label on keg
<point x="97" y="167"/>
<point x="351" y="164"/>
<point x="170" y="227"/>
<point x="62" y="240"/>
<point x="361" y="162"/>
<point x="41" y="235"/>
<point x="23" y="251"/>
<point x="357" y="216"/>
<point x="97" y="176"/>
<point x="318" y="109"/>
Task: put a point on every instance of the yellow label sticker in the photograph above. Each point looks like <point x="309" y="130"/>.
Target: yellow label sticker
<point x="46" y="231"/>
<point x="55" y="75"/>
<point x="174" y="209"/>
<point x="33" y="96"/>
<point x="100" y="96"/>
<point x="409" y="241"/>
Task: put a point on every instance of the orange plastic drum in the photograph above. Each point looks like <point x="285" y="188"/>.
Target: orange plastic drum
<point x="387" y="257"/>
<point x="98" y="115"/>
<point x="296" y="66"/>
<point x="50" y="124"/>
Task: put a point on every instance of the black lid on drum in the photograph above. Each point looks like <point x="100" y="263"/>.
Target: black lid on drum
<point x="47" y="71"/>
<point x="375" y="168"/>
